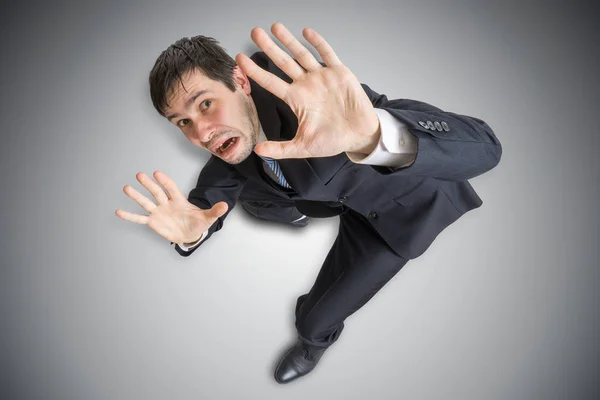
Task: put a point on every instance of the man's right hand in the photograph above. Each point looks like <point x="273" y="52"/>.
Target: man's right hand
<point x="174" y="218"/>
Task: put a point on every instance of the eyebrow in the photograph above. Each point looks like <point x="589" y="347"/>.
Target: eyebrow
<point x="190" y="101"/>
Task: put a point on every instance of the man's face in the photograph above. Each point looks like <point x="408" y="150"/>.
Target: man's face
<point x="213" y="117"/>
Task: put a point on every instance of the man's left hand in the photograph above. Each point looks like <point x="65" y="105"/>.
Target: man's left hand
<point x="334" y="113"/>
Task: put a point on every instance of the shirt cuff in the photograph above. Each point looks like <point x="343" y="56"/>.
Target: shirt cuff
<point x="194" y="244"/>
<point x="397" y="146"/>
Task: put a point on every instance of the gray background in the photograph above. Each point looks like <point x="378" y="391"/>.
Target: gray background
<point x="503" y="304"/>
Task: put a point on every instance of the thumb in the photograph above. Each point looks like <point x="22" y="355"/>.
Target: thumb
<point x="277" y="150"/>
<point x="216" y="211"/>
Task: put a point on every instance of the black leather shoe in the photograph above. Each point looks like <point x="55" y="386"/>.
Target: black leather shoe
<point x="297" y="362"/>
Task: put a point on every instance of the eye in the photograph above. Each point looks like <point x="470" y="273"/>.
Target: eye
<point x="182" y="122"/>
<point x="207" y="103"/>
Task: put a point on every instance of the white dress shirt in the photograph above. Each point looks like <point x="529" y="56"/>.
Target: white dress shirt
<point x="397" y="148"/>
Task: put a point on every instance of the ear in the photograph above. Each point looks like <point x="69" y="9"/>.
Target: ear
<point x="241" y="80"/>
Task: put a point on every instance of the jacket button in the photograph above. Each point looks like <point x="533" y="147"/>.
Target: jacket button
<point x="372" y="215"/>
<point x="342" y="199"/>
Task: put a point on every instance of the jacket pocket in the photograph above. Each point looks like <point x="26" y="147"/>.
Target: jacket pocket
<point x="328" y="171"/>
<point x="421" y="193"/>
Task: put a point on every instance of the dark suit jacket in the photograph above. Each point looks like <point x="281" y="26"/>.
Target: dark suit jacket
<point x="409" y="207"/>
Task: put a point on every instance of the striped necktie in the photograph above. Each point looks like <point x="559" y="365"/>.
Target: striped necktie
<point x="274" y="166"/>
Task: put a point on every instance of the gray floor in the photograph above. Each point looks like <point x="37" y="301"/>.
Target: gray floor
<point x="502" y="306"/>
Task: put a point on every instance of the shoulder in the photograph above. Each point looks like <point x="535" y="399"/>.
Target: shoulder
<point x="263" y="61"/>
<point x="260" y="58"/>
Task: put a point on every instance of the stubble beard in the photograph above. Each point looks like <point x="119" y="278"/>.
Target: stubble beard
<point x="252" y="124"/>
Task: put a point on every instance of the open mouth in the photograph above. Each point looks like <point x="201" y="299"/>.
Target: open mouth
<point x="227" y="146"/>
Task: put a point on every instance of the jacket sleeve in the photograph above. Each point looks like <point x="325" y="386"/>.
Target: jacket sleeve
<point x="218" y="181"/>
<point x="465" y="148"/>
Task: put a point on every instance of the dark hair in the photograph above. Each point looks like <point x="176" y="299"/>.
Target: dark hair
<point x="199" y="52"/>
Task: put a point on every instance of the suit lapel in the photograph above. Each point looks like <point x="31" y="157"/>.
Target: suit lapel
<point x="297" y="171"/>
<point x="279" y="123"/>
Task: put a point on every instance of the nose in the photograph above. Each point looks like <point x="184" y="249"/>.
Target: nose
<point x="203" y="130"/>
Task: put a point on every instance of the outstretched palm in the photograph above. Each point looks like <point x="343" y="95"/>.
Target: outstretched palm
<point x="174" y="218"/>
<point x="334" y="113"/>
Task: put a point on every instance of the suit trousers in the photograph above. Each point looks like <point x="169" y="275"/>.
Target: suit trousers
<point x="357" y="266"/>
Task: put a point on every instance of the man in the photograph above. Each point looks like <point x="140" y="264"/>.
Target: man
<point x="292" y="138"/>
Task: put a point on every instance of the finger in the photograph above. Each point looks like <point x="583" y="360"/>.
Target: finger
<point x="127" y="216"/>
<point x="278" y="150"/>
<point x="216" y="211"/>
<point x="325" y="50"/>
<point x="278" y="56"/>
<point x="143" y="201"/>
<point x="153" y="188"/>
<point x="304" y="57"/>
<point x="170" y="185"/>
<point x="265" y="79"/>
